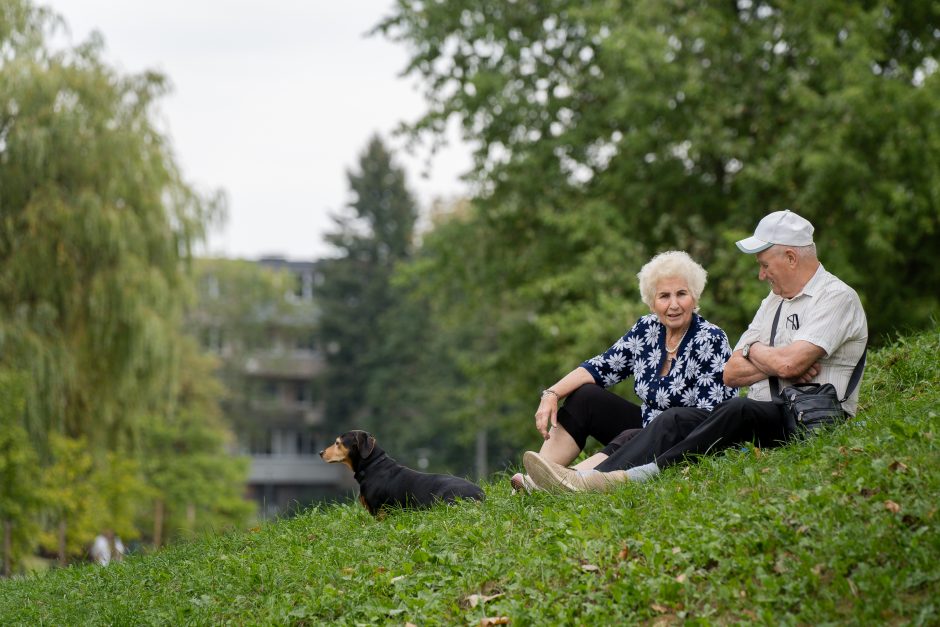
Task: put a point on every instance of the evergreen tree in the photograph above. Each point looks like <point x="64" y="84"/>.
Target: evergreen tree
<point x="371" y="236"/>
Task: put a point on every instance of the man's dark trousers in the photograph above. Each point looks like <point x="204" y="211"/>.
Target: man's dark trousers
<point x="683" y="431"/>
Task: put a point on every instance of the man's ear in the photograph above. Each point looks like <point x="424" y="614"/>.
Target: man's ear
<point x="366" y="444"/>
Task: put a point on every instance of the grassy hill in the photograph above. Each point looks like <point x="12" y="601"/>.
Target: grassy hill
<point x="843" y="528"/>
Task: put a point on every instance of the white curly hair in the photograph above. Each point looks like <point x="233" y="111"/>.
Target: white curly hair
<point x="673" y="263"/>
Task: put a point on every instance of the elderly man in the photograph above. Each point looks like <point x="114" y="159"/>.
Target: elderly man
<point x="819" y="336"/>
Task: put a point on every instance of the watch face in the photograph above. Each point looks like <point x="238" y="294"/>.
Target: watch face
<point x="746" y="350"/>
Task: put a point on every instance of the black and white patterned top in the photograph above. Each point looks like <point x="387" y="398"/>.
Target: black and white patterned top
<point x="695" y="379"/>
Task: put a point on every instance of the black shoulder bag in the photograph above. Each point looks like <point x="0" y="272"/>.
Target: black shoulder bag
<point x="808" y="407"/>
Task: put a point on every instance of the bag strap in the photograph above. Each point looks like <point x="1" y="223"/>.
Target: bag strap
<point x="853" y="380"/>
<point x="856" y="374"/>
<point x="773" y="381"/>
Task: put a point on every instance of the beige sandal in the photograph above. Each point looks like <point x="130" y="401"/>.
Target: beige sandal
<point x="523" y="483"/>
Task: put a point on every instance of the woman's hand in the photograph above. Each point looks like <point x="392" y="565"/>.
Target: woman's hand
<point x="546" y="416"/>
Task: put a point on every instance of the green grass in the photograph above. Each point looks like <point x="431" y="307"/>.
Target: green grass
<point x="805" y="534"/>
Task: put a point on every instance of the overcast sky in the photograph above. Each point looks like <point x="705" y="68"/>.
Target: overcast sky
<point x="273" y="101"/>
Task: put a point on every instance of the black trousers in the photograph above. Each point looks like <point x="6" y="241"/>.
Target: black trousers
<point x="683" y="431"/>
<point x="593" y="411"/>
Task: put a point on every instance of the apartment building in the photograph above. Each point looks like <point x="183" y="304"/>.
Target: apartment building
<point x="259" y="318"/>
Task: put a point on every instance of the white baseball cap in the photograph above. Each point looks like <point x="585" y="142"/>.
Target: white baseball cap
<point x="779" y="227"/>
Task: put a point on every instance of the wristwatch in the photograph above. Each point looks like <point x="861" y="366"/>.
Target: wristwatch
<point x="746" y="351"/>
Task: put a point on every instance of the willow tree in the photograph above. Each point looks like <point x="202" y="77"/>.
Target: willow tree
<point x="96" y="226"/>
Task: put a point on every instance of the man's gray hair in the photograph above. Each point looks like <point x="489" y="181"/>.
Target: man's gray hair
<point x="804" y="253"/>
<point x="674" y="263"/>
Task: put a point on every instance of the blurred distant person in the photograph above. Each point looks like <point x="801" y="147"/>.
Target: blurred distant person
<point x="101" y="550"/>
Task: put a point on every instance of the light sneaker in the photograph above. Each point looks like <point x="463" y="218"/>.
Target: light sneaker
<point x="523" y="483"/>
<point x="554" y="477"/>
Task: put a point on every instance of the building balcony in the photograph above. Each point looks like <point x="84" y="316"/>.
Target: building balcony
<point x="298" y="364"/>
<point x="297" y="470"/>
<point x="285" y="413"/>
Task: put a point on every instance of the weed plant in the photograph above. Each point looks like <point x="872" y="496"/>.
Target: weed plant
<point x="842" y="528"/>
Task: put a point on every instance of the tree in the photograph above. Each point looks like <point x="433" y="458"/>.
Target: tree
<point x="67" y="494"/>
<point x="19" y="503"/>
<point x="608" y="131"/>
<point x="678" y="125"/>
<point x="119" y="494"/>
<point x="196" y="481"/>
<point x="97" y="228"/>
<point x="370" y="237"/>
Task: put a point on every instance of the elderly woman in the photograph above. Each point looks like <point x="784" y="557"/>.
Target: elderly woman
<point x="676" y="357"/>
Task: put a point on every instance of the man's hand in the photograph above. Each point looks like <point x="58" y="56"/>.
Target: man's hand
<point x="741" y="372"/>
<point x="797" y="362"/>
<point x="809" y="375"/>
<point x="792" y="362"/>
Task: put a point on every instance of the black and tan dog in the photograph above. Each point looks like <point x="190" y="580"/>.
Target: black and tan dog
<point x="384" y="483"/>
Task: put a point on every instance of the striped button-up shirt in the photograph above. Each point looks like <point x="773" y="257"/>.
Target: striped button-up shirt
<point x="827" y="313"/>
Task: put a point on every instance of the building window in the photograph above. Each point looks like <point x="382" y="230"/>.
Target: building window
<point x="270" y="390"/>
<point x="304" y="285"/>
<point x="212" y="287"/>
<point x="212" y="339"/>
<point x="306" y="342"/>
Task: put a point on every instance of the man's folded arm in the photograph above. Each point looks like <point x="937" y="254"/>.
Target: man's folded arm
<point x="792" y="361"/>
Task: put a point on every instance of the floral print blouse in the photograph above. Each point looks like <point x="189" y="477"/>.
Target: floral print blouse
<point x="694" y="380"/>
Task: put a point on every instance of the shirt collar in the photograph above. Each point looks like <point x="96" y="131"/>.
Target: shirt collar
<point x="812" y="286"/>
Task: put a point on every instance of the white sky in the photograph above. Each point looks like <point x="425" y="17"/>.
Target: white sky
<point x="273" y="101"/>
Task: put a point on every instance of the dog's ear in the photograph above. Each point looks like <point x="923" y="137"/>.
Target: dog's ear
<point x="366" y="444"/>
